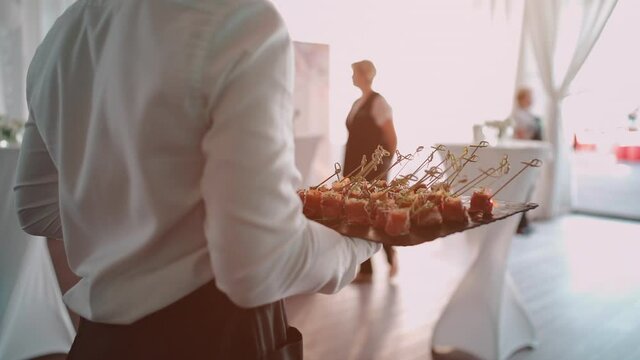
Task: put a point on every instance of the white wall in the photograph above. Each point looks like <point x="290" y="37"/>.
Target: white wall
<point x="442" y="65"/>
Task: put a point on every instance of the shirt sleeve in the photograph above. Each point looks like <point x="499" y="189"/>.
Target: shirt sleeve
<point x="262" y="248"/>
<point x="381" y="110"/>
<point x="36" y="187"/>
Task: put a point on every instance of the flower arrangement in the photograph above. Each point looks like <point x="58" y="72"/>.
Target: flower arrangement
<point x="10" y="131"/>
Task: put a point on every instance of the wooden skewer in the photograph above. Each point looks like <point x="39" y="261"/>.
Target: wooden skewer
<point x="427" y="161"/>
<point x="338" y="170"/>
<point x="433" y="181"/>
<point x="477" y="180"/>
<point x="429" y="158"/>
<point x="376" y="159"/>
<point x="503" y="168"/>
<point x="437" y="174"/>
<point x="363" y="162"/>
<point x="432" y="172"/>
<point x="533" y="163"/>
<point x="366" y="167"/>
<point x="418" y="150"/>
<point x="473" y="158"/>
<point x="404" y="178"/>
<point x="400" y="158"/>
<point x="454" y="163"/>
<point x="481" y="144"/>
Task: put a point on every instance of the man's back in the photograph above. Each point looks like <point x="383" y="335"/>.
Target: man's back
<point x="116" y="92"/>
<point x="168" y="124"/>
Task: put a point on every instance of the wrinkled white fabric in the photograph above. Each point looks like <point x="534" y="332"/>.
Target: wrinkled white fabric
<point x="543" y="28"/>
<point x="159" y="146"/>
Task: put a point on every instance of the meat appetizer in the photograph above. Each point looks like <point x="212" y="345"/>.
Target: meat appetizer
<point x="408" y="201"/>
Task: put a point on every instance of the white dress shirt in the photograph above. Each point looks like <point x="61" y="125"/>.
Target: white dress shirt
<point x="160" y="148"/>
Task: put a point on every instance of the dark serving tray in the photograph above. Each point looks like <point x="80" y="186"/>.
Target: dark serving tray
<point x="501" y="210"/>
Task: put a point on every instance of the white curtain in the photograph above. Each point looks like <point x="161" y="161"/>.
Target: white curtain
<point x="561" y="34"/>
<point x="23" y="24"/>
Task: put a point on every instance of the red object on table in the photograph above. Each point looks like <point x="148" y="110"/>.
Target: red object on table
<point x="628" y="153"/>
<point x="581" y="146"/>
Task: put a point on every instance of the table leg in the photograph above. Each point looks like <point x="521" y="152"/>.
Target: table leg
<point x="485" y="318"/>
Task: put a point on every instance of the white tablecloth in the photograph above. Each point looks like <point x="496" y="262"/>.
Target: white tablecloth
<point x="485" y="316"/>
<point x="33" y="318"/>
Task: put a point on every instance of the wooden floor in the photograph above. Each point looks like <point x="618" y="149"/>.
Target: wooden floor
<point x="579" y="277"/>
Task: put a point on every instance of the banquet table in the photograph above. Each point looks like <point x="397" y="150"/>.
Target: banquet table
<point x="485" y="316"/>
<point x="33" y="318"/>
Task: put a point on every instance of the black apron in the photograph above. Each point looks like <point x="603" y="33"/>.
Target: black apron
<point x="364" y="137"/>
<point x="203" y="325"/>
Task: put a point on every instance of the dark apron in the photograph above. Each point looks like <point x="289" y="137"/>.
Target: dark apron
<point x="203" y="325"/>
<point x="364" y="137"/>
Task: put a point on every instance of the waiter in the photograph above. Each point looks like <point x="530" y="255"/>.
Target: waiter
<point x="370" y="123"/>
<point x="159" y="148"/>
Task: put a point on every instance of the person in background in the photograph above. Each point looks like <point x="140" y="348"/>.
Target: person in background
<point x="159" y="148"/>
<point x="527" y="126"/>
<point x="369" y="123"/>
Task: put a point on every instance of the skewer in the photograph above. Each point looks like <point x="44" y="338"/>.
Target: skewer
<point x="338" y="170"/>
<point x="427" y="173"/>
<point x="419" y="149"/>
<point x="454" y="164"/>
<point x="405" y="179"/>
<point x="363" y="162"/>
<point x="471" y="159"/>
<point x="433" y="172"/>
<point x="366" y="167"/>
<point x="400" y="158"/>
<point x="429" y="158"/>
<point x="481" y="144"/>
<point x="503" y="168"/>
<point x="430" y="173"/>
<point x="533" y="163"/>
<point x="434" y="180"/>
<point x="376" y="159"/>
<point x="477" y="180"/>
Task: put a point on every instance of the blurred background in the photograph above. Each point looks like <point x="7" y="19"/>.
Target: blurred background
<point x="450" y="71"/>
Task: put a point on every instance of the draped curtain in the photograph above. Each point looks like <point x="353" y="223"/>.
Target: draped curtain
<point x="546" y="23"/>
